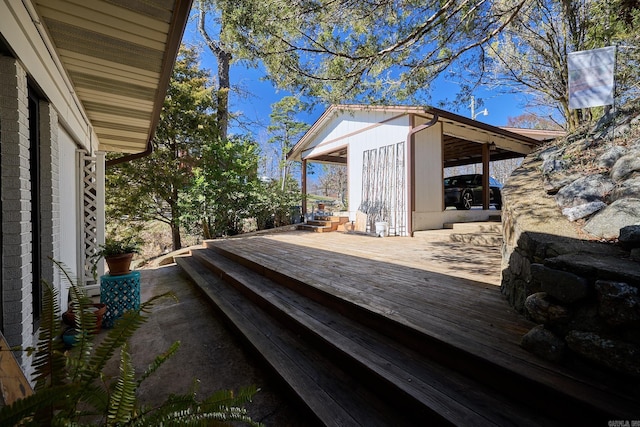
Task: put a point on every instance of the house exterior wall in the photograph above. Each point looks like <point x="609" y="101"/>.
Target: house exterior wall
<point x="17" y="319"/>
<point x="63" y="128"/>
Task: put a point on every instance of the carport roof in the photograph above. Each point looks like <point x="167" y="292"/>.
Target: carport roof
<point x="463" y="137"/>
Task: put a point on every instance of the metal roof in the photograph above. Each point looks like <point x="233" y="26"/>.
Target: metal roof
<point x="462" y="137"/>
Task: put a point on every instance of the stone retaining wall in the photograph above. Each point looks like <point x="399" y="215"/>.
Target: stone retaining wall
<point x="583" y="294"/>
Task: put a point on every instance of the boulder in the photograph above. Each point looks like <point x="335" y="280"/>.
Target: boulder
<point x="561" y="285"/>
<point x="542" y="310"/>
<point x="590" y="188"/>
<point x="582" y="211"/>
<point x="630" y="236"/>
<point x="618" y="302"/>
<point x="625" y="165"/>
<point x="609" y="157"/>
<point x="608" y="222"/>
<point x="627" y="188"/>
<point x="618" y="355"/>
<point x="544" y="343"/>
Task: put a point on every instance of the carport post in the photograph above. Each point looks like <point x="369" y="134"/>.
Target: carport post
<point x="304" y="189"/>
<point x="486" y="154"/>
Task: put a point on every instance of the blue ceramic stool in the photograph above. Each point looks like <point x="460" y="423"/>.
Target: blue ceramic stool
<point x="120" y="293"/>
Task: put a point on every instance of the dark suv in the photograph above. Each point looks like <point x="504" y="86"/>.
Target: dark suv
<point x="464" y="191"/>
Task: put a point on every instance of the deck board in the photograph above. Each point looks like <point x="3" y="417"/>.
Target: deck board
<point x="448" y="290"/>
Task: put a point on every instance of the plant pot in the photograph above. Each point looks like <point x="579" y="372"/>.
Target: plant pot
<point x="99" y="311"/>
<point x="382" y="228"/>
<point x="119" y="264"/>
<point x="69" y="337"/>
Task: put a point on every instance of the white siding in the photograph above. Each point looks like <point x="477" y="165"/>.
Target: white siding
<point x="68" y="188"/>
<point x="428" y="170"/>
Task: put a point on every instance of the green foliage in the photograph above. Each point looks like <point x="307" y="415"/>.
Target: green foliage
<point x="356" y="50"/>
<point x="530" y="56"/>
<point x="113" y="246"/>
<point x="195" y="180"/>
<point x="274" y="207"/>
<point x="152" y="188"/>
<point x="224" y="188"/>
<point x="285" y="129"/>
<point x="72" y="387"/>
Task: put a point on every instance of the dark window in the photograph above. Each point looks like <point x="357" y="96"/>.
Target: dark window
<point x="34" y="166"/>
<point x="1" y="246"/>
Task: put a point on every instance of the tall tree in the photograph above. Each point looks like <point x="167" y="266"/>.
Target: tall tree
<point x="344" y="50"/>
<point x="285" y="129"/>
<point x="225" y="188"/>
<point x="532" y="121"/>
<point x="152" y="188"/>
<point x="224" y="55"/>
<point x="334" y="180"/>
<point x="530" y="56"/>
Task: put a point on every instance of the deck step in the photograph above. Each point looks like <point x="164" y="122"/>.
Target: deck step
<point x="477" y="239"/>
<point x="324" y="223"/>
<point x="314" y="228"/>
<point x="474" y="227"/>
<point x="319" y="384"/>
<point x="415" y="389"/>
<point x="416" y="372"/>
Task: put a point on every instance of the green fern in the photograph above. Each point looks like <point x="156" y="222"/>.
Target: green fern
<point x="72" y="387"/>
<point x="48" y="359"/>
<point x="159" y="361"/>
<point x="122" y="404"/>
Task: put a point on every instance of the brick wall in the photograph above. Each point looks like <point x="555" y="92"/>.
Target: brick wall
<point x="16" y="206"/>
<point x="17" y="307"/>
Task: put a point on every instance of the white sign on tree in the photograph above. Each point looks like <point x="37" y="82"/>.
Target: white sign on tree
<point x="591" y="77"/>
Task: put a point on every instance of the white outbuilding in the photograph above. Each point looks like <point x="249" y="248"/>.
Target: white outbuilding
<point x="396" y="155"/>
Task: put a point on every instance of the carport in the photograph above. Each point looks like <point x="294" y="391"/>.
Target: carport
<point x="396" y="155"/>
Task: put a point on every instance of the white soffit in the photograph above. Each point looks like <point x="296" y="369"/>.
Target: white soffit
<point x="119" y="55"/>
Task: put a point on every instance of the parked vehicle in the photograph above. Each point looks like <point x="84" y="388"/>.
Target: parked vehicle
<point x="465" y="191"/>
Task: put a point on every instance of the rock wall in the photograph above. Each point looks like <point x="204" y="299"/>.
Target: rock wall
<point x="584" y="294"/>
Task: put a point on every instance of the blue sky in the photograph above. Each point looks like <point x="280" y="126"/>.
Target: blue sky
<point x="257" y="95"/>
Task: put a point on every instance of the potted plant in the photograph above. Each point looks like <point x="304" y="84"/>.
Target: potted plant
<point x="118" y="254"/>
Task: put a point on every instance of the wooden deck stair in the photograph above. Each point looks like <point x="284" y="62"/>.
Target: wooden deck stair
<point x="352" y="365"/>
<point x="324" y="223"/>
<point x="486" y="233"/>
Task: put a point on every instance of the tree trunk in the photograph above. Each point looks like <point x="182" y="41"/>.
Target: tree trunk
<point x="206" y="230"/>
<point x="175" y="224"/>
<point x="224" y="60"/>
<point x="175" y="236"/>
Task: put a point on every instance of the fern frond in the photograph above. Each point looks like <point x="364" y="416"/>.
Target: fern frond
<point x="227" y="398"/>
<point x="159" y="361"/>
<point x="85" y="321"/>
<point x="41" y="405"/>
<point x="185" y="410"/>
<point x="122" y="404"/>
<point x="122" y="330"/>
<point x="49" y="361"/>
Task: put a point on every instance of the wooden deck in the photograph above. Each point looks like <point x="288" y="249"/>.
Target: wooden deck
<point x="439" y="298"/>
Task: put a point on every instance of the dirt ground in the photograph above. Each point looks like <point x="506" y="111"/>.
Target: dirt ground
<point x="209" y="353"/>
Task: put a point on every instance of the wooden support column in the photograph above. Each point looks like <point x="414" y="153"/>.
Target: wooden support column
<point x="485" y="176"/>
<point x="304" y="188"/>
